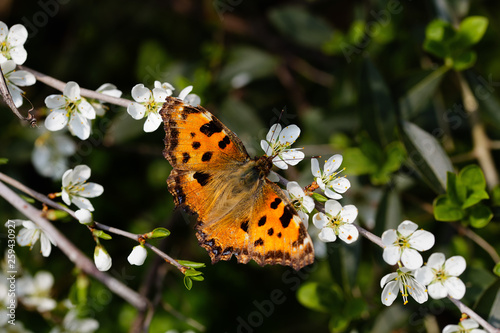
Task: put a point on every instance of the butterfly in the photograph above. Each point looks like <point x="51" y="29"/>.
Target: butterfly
<point x="239" y="210"/>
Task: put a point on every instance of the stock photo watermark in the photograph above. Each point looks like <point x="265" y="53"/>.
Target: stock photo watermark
<point x="10" y="273"/>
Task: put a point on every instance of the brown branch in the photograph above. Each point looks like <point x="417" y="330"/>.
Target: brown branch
<point x="71" y="251"/>
<point x="7" y="97"/>
<point x="478" y="240"/>
<point x="59" y="85"/>
<point x="42" y="198"/>
<point x="468" y="311"/>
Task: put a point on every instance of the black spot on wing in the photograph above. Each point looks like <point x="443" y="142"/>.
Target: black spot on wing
<point x="193" y="134"/>
<point x="174" y="138"/>
<point x="207" y="156"/>
<point x="258" y="242"/>
<point x="301" y="237"/>
<point x="224" y="142"/>
<point x="244" y="226"/>
<point x="196" y="145"/>
<point x="279" y="235"/>
<point x="270" y="231"/>
<point x="210" y="128"/>
<point x="185" y="157"/>
<point x="275" y="203"/>
<point x="202" y="178"/>
<point x="262" y="221"/>
<point x="287" y="216"/>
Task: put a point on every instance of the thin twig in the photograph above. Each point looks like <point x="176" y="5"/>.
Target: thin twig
<point x="59" y="85"/>
<point x="478" y="240"/>
<point x="42" y="198"/>
<point x="480" y="140"/>
<point x="468" y="311"/>
<point x="71" y="251"/>
<point x="7" y="97"/>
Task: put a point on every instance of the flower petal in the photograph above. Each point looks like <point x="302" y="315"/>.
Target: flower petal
<point x="391" y="255"/>
<point x="340" y="184"/>
<point x="55" y="102"/>
<point x="289" y="134"/>
<point x="406" y="228"/>
<point x="437" y="290"/>
<point x="266" y="147"/>
<point x="422" y="240"/>
<point x="455" y="287"/>
<point x="56" y="120"/>
<point x="320" y="220"/>
<point x="279" y="163"/>
<point x="79" y="126"/>
<point x="45" y="245"/>
<point x="22" y="78"/>
<point x="4" y="31"/>
<point x="159" y="95"/>
<point x="84" y="216"/>
<point x="91" y="190"/>
<point x="411" y="259"/>
<point x="327" y="235"/>
<point x="138" y="255"/>
<point x="80" y="174"/>
<point x="455" y="265"/>
<point x="436" y="260"/>
<point x="424" y="275"/>
<point x="72" y="91"/>
<point x="304" y="217"/>
<point x="295" y="189"/>
<point x="349" y="213"/>
<point x="332" y="207"/>
<point x="19" y="54"/>
<point x="28" y="237"/>
<point x="469" y="324"/>
<point x="451" y="329"/>
<point x="273" y="133"/>
<point x="390" y="293"/>
<point x="86" y="109"/>
<point x="136" y="110"/>
<point x="316" y="171"/>
<point x="67" y="177"/>
<point x="184" y="92"/>
<point x="140" y="93"/>
<point x="17" y="35"/>
<point x="348" y="233"/>
<point x="192" y="99"/>
<point x="332" y="164"/>
<point x="387" y="277"/>
<point x="102" y="259"/>
<point x="308" y="203"/>
<point x="389" y="237"/>
<point x="65" y="197"/>
<point x="332" y="195"/>
<point x="16" y="93"/>
<point x="82" y="203"/>
<point x="417" y="291"/>
<point x="152" y="122"/>
<point x="273" y="176"/>
<point x="292" y="156"/>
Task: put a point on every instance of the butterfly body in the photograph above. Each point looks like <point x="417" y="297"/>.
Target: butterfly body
<point x="240" y="211"/>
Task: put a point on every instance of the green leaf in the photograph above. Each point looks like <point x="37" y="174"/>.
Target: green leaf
<point x="473" y="177"/>
<point x="338" y="323"/>
<point x="159" y="233"/>
<point x="197" y="278"/>
<point x="446" y="210"/>
<point x="495" y="196"/>
<point x="319" y="297"/>
<point x="474" y="198"/>
<point x="420" y="94"/>
<point x="4" y="160"/>
<point x="496" y="269"/>
<point x="319" y="198"/>
<point x="395" y="155"/>
<point x="28" y="199"/>
<point x="454" y="189"/>
<point x="426" y="155"/>
<point x="470" y="32"/>
<point x="188" y="283"/>
<point x="464" y="60"/>
<point x="357" y="163"/>
<point x="192" y="272"/>
<point x="480" y="216"/>
<point x="101" y="234"/>
<point x="438" y="33"/>
<point x="376" y="109"/>
<point x="301" y="26"/>
<point x="355" y="308"/>
<point x="191" y="264"/>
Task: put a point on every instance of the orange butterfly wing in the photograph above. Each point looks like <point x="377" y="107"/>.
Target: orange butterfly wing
<point x="239" y="210"/>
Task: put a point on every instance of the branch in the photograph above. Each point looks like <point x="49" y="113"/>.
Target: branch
<point x="42" y="198"/>
<point x="71" y="251"/>
<point x="480" y="140"/>
<point x="59" y="85"/>
<point x="478" y="240"/>
<point x="7" y="97"/>
<point x="468" y="311"/>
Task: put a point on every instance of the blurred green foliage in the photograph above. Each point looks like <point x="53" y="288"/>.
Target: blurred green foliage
<point x="377" y="81"/>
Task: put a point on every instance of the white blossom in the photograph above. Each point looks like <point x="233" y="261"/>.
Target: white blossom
<point x="35" y="291"/>
<point x="12" y="43"/>
<point x="327" y="179"/>
<point x="106" y="89"/>
<point x="84" y="216"/>
<point x="29" y="235"/>
<point x="402" y="281"/>
<point x="277" y="145"/>
<point x="337" y="221"/>
<point x="70" y="109"/>
<point x="138" y="255"/>
<point x="15" y="78"/>
<point x="441" y="277"/>
<point x="303" y="203"/>
<point x="51" y="152"/>
<point x="465" y="326"/>
<point x="102" y="259"/>
<point x="404" y="243"/>
<point x="75" y="188"/>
